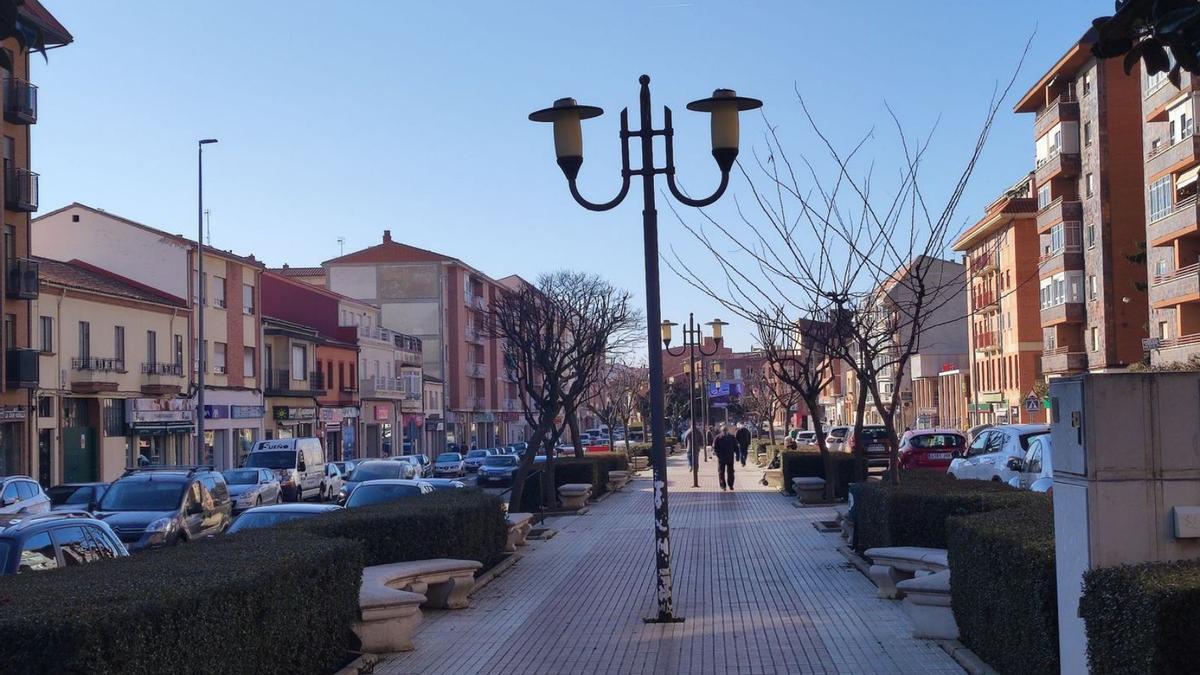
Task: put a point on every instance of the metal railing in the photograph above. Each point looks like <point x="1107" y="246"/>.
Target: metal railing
<point x="280" y="379"/>
<point x="169" y="369"/>
<point x="476" y="370"/>
<point x="22" y="279"/>
<point x="20" y="189"/>
<point x="20" y="101"/>
<point x="99" y="365"/>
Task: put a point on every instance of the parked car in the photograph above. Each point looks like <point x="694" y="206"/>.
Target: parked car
<point x="806" y="438"/>
<point x="252" y="487"/>
<point x="474" y="458"/>
<point x="498" y="470"/>
<point x="383" y="491"/>
<point x="986" y="458"/>
<point x="75" y="496"/>
<point x="444" y="483"/>
<point x="46" y="541"/>
<point x="874" y="439"/>
<point x="930" y="448"/>
<point x="270" y="516"/>
<point x="332" y="485"/>
<point x="424" y="466"/>
<point x="375" y="469"/>
<point x="299" y="463"/>
<point x="1035" y="471"/>
<point x="449" y="464"/>
<point x="835" y="440"/>
<point x="160" y="506"/>
<point x="22" y="494"/>
<point x="347" y="467"/>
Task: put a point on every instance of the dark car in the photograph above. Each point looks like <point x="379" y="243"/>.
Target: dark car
<point x="874" y="439"/>
<point x="931" y="448"/>
<point x="161" y="506"/>
<point x="386" y="491"/>
<point x="47" y="541"/>
<point x="75" y="496"/>
<point x="270" y="516"/>
<point x="439" y="484"/>
<point x="497" y="470"/>
<point x="374" y="469"/>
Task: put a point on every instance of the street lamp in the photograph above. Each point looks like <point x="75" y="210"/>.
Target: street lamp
<point x="566" y="115"/>
<point x="200" y="294"/>
<point x="693" y="343"/>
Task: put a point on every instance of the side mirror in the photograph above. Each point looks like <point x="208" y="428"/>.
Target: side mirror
<point x="1016" y="464"/>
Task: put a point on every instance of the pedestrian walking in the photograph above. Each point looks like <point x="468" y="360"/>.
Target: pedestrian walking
<point x="725" y="446"/>
<point x="743" y="441"/>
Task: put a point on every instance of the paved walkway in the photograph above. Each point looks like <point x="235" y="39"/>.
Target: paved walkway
<point x="761" y="589"/>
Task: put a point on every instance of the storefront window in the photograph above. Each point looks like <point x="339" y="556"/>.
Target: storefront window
<point x="243" y="440"/>
<point x="10" y="449"/>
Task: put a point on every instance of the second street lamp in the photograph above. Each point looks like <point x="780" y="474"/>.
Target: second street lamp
<point x="566" y="116"/>
<point x="693" y="344"/>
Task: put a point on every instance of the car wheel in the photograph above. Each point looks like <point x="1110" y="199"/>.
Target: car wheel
<point x="258" y="501"/>
<point x="996" y="479"/>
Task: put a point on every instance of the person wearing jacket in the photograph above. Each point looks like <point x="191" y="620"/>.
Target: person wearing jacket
<point x="725" y="446"/>
<point x="743" y="441"/>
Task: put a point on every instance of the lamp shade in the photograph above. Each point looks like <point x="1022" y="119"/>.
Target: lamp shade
<point x="566" y="115"/>
<point x="716" y="324"/>
<point x="716" y="367"/>
<point x="666" y="331"/>
<point x="724" y="106"/>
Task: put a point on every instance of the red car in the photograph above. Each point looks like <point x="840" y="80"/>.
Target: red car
<point x="930" y="448"/>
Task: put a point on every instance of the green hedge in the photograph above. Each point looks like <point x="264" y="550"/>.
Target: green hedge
<point x="1003" y="587"/>
<point x="466" y="525"/>
<point x="1143" y="618"/>
<point x="800" y="463"/>
<point x="591" y="468"/>
<point x="268" y="601"/>
<point x="914" y="513"/>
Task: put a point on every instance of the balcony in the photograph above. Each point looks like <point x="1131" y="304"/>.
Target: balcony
<point x="280" y="382"/>
<point x="473" y="335"/>
<point x="481" y="403"/>
<point x="987" y="341"/>
<point x="1155" y="103"/>
<point x="91" y="375"/>
<point x="1065" y="164"/>
<point x="21" y="368"/>
<point x="1063" y="361"/>
<point x="162" y="379"/>
<point x="1063" y="109"/>
<point x="1059" y="211"/>
<point x="1182" y="285"/>
<point x="22" y="280"/>
<point x="986" y="301"/>
<point x="1173" y="157"/>
<point x="478" y="302"/>
<point x="512" y="405"/>
<point x="476" y="370"/>
<point x="1180" y="222"/>
<point x="985" y="263"/>
<point x="381" y="386"/>
<point x="1174" y="350"/>
<point x="20" y="101"/>
<point x="20" y="190"/>
<point x="1063" y="312"/>
<point x="1065" y="259"/>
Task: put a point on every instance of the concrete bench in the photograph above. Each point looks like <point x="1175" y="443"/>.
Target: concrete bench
<point x="639" y="463"/>
<point x="927" y="602"/>
<point x="574" y="495"/>
<point x="519" y="525"/>
<point x="445" y="583"/>
<point x="387" y="616"/>
<point x="809" y="489"/>
<point x="773" y="478"/>
<point x="617" y="480"/>
<point x="893" y="564"/>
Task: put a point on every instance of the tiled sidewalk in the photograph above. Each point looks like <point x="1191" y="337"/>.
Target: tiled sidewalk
<point x="761" y="589"/>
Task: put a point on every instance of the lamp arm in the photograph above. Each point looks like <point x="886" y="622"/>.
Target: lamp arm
<point x="682" y="350"/>
<point x="625" y="173"/>
<point x="669" y="132"/>
<point x="716" y="348"/>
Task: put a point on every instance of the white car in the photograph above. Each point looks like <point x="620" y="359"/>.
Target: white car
<point x="22" y="495"/>
<point x="987" y="456"/>
<point x="806" y="438"/>
<point x="835" y="440"/>
<point x="1035" y="471"/>
<point x="331" y="487"/>
<point x="449" y="465"/>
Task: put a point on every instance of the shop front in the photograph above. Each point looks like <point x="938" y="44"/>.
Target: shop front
<point x="434" y="430"/>
<point x="338" y="427"/>
<point x="379" y="422"/>
<point x="292" y="421"/>
<point x="233" y="421"/>
<point x="12" y="439"/>
<point x="412" y="426"/>
<point x="160" y="429"/>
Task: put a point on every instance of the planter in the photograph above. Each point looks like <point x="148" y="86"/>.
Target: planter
<point x="809" y="490"/>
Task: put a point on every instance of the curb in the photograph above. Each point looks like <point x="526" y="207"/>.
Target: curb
<point x="365" y="663"/>
<point x="966" y="658"/>
<point x="855" y="559"/>
<point x="490" y="575"/>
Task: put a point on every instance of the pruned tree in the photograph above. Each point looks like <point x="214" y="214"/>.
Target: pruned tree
<point x="617" y="396"/>
<point x="760" y="401"/>
<point x="1161" y="33"/>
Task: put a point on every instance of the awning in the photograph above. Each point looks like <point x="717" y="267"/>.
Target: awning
<point x="1187" y="177"/>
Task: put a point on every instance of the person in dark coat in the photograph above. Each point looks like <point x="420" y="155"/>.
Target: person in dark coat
<point x="743" y="441"/>
<point x="726" y="448"/>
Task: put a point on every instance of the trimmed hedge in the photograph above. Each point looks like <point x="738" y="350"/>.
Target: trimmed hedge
<point x="268" y="601"/>
<point x="1142" y="618"/>
<point x="462" y="524"/>
<point x="914" y="513"/>
<point x="1003" y="586"/>
<point x="592" y="468"/>
<point x="801" y="463"/>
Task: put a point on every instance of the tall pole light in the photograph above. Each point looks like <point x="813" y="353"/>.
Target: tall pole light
<point x="566" y="115"/>
<point x="693" y="345"/>
<point x="201" y="361"/>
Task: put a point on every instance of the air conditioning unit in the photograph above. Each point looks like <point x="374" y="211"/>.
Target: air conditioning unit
<point x="219" y="370"/>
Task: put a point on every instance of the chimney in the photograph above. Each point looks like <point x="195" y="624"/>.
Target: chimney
<point x="387" y="236"/>
<point x="285" y="266"/>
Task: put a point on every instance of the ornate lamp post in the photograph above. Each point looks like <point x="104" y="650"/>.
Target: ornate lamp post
<point x="566" y="115"/>
<point x="693" y="344"/>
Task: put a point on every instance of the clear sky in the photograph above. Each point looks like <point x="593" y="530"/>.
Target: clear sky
<point x="341" y="119"/>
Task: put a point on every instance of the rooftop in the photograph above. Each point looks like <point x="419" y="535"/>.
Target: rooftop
<point x="82" y="276"/>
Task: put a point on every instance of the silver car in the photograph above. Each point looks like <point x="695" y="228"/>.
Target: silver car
<point x="449" y="465"/>
<point x="474" y="459"/>
<point x="252" y="487"/>
<point x="22" y="494"/>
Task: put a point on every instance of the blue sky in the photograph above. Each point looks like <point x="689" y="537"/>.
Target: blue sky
<point x="342" y="119"/>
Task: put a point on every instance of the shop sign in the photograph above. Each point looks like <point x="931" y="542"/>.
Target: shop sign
<point x="350" y="411"/>
<point x="13" y="413"/>
<point x="415" y="420"/>
<point x="383" y="413"/>
<point x="285" y="414"/>
<point x="247" y="412"/>
<point x="485" y="417"/>
<point x="216" y="412"/>
<point x="331" y="415"/>
<point x="157" y="410"/>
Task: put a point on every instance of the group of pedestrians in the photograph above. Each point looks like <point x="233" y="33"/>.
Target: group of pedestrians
<point x="730" y="448"/>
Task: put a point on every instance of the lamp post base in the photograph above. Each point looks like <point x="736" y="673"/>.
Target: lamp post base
<point x="664" y="618"/>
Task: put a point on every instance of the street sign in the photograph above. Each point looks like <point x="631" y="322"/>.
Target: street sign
<point x="1032" y="403"/>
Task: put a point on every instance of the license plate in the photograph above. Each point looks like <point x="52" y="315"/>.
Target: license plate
<point x="875" y="447"/>
<point x="939" y="455"/>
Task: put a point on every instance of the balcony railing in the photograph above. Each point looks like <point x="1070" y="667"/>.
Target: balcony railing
<point x="1065" y="108"/>
<point x="1065" y="258"/>
<point x="985" y="263"/>
<point x="22" y="279"/>
<point x="1057" y="163"/>
<point x="1182" y="285"/>
<point x="478" y="370"/>
<point x="98" y="365"/>
<point x="1058" y="211"/>
<point x="1180" y="221"/>
<point x="382" y="386"/>
<point x="20" y="189"/>
<point x="163" y="369"/>
<point x="473" y="335"/>
<point x="986" y="301"/>
<point x="1172" y="157"/>
<point x="1192" y="341"/>
<point x="1063" y="360"/>
<point x="21" y="368"/>
<point x="20" y="101"/>
<point x="1063" y="312"/>
<point x="280" y="381"/>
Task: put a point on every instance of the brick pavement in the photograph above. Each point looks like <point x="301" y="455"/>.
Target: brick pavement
<point x="762" y="591"/>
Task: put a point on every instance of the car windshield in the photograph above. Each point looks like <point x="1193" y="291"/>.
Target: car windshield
<point x="874" y="433"/>
<point x="501" y="460"/>
<point x="68" y="494"/>
<point x="839" y="432"/>
<point x="272" y="459"/>
<point x="241" y="477"/>
<point x="1025" y="438"/>
<point x="937" y="441"/>
<point x="450" y="456"/>
<point x="143" y="495"/>
<point x="377" y="470"/>
<point x="253" y="521"/>
<point x="476" y="453"/>
<point x="367" y="495"/>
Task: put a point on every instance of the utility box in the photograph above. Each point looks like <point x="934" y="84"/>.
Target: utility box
<point x="1126" y="477"/>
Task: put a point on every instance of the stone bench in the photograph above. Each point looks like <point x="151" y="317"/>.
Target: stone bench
<point x="387" y="616"/>
<point x="639" y="463"/>
<point x="574" y="495"/>
<point x="519" y="525"/>
<point x="773" y="478"/>
<point x="809" y="489"/>
<point x="927" y="603"/>
<point x="445" y="583"/>
<point x="893" y="564"/>
<point x="617" y="480"/>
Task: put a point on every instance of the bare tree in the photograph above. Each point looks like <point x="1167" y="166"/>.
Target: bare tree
<point x="760" y="401"/>
<point x="617" y="395"/>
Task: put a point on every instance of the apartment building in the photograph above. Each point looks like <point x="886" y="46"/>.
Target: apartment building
<point x="20" y="278"/>
<point x="292" y="378"/>
<point x="112" y="375"/>
<point x="434" y="426"/>
<point x="227" y="293"/>
<point x="1091" y="221"/>
<point x="1005" y="326"/>
<point x="443" y="302"/>
<point x="1173" y="228"/>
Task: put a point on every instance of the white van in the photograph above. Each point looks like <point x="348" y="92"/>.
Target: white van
<point x="299" y="463"/>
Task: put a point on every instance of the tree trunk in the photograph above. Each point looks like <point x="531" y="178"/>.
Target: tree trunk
<point x="823" y="447"/>
<point x="522" y="473"/>
<point x="573" y="423"/>
<point x="860" y="452"/>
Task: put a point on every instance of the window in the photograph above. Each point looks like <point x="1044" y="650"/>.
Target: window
<point x="248" y="362"/>
<point x="1091" y="235"/>
<point x="47" y="333"/>
<point x="1164" y="330"/>
<point x="299" y="362"/>
<point x="45" y="406"/>
<point x="10" y="248"/>
<point x="85" y="340"/>
<point x="218" y="291"/>
<point x="1159" y="199"/>
<point x="119" y="346"/>
<point x="178" y="351"/>
<point x="219" y="358"/>
<point x="151" y="346"/>
<point x="1091" y="281"/>
<point x="1056" y="238"/>
<point x="37" y="554"/>
<point x="1087" y="84"/>
<point x="1094" y="338"/>
<point x="1089" y="185"/>
<point x="1160" y="267"/>
<point x="10" y="331"/>
<point x="1087" y="134"/>
<point x="114" y="417"/>
<point x="1043" y="196"/>
<point x="247" y="299"/>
